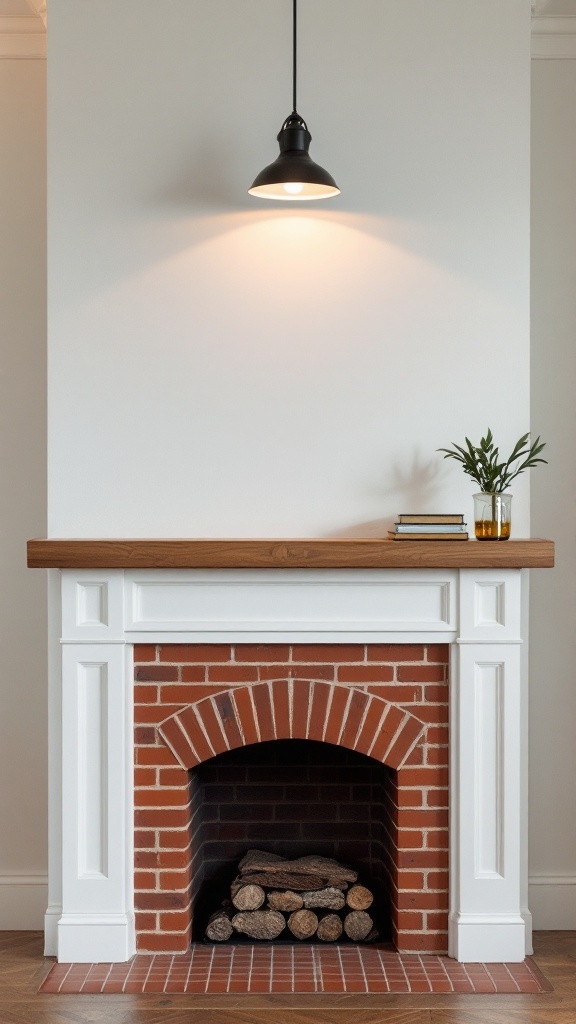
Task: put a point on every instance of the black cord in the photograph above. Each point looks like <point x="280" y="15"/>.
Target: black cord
<point x="294" y="52"/>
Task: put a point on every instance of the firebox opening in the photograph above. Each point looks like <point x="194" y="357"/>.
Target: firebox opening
<point x="292" y="798"/>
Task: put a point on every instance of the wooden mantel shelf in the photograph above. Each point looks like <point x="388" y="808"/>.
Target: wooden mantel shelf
<point x="284" y="554"/>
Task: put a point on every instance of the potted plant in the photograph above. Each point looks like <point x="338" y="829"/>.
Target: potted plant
<point x="493" y="474"/>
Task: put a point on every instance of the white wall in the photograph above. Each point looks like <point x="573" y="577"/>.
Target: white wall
<point x="23" y="760"/>
<point x="223" y="366"/>
<point x="553" y="594"/>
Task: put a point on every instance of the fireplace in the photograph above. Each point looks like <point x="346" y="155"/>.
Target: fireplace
<point x="121" y="598"/>
<point x="355" y="739"/>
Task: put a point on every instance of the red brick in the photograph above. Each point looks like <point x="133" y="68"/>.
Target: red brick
<point x="408" y="734"/>
<point x="428" y="818"/>
<point x="179" y="839"/>
<point x="172" y="776"/>
<point x="320" y="695"/>
<point x="163" y="943"/>
<point x="191" y="726"/>
<point x="437" y="859"/>
<point x="211" y="722"/>
<point x="421" y="673"/>
<point x="146" y="859"/>
<point x="194" y="673"/>
<point x="144" y="880"/>
<point x="281" y="709"/>
<point x="155" y="817"/>
<point x="365" y="674"/>
<point x="144" y="652"/>
<point x="205" y="653"/>
<point x="262" y="653"/>
<point x="431" y="713"/>
<point x="436" y="692"/>
<point x="232" y="674"/>
<point x="410" y="920"/>
<point x="145" y="922"/>
<point x="178" y="742"/>
<point x="177" y="922"/>
<point x="145" y="776"/>
<point x="300" y="706"/>
<point x="371" y="723"/>
<point x="261" y="695"/>
<point x="387" y="733"/>
<point x="419" y="942"/>
<point x="410" y="798"/>
<point x="437" y="839"/>
<point x="438" y="797"/>
<point x="156" y="673"/>
<point x="437" y="880"/>
<point x="410" y="879"/>
<point x="410" y="839"/>
<point x="356" y="709"/>
<point x="437" y="922"/>
<point x="144" y="735"/>
<point x="162" y="797"/>
<point x="437" y="755"/>
<point x="161" y="900"/>
<point x="422" y="900"/>
<point x="297" y="672"/>
<point x="144" y="694"/>
<point x="340" y="696"/>
<point x="182" y="695"/>
<point x="415" y="757"/>
<point x="438" y="652"/>
<point x="154" y="755"/>
<point x="146" y="714"/>
<point x="428" y="776"/>
<point x="395" y="652"/>
<point x="245" y="711"/>
<point x="328" y="652"/>
<point x="437" y="733"/>
<point x="226" y="713"/>
<point x="174" y="880"/>
<point x="398" y="694"/>
<point x="144" y="840"/>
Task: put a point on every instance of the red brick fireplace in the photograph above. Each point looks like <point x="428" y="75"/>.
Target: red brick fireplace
<point x="200" y="709"/>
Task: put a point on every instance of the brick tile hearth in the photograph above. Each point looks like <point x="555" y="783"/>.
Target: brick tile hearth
<point x="197" y="703"/>
<point x="253" y="969"/>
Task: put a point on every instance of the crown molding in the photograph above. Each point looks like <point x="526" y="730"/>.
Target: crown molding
<point x="38" y="7"/>
<point x="22" y="38"/>
<point x="554" y="37"/>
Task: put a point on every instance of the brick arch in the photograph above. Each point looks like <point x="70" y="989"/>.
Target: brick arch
<point x="292" y="709"/>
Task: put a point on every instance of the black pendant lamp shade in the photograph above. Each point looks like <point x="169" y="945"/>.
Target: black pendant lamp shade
<point x="294" y="175"/>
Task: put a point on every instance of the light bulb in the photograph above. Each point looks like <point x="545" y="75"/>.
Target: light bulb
<point x="293" y="188"/>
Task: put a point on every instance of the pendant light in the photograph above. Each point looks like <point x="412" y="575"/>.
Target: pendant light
<point x="294" y="175"/>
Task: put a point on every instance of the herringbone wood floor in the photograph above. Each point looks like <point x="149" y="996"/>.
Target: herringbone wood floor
<point x="22" y="969"/>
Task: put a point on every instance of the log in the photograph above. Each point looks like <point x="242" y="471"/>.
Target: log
<point x="249" y="897"/>
<point x="303" y="924"/>
<point x="330" y="897"/>
<point x="329" y="928"/>
<point x="284" y="880"/>
<point x="259" y="924"/>
<point x="270" y="863"/>
<point x="219" y="927"/>
<point x="358" y="925"/>
<point x="286" y="901"/>
<point x="359" y="897"/>
<point x="372" y="936"/>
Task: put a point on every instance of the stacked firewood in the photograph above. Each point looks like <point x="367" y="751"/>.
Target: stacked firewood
<point x="311" y="897"/>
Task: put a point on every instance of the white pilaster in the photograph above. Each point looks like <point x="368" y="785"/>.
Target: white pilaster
<point x="486" y="922"/>
<point x="97" y="922"/>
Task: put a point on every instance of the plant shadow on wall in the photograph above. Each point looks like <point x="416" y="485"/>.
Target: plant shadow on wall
<point x="408" y="486"/>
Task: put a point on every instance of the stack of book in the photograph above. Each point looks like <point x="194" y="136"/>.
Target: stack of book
<point x="427" y="526"/>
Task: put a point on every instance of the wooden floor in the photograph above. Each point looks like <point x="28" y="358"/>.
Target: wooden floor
<point x="23" y="968"/>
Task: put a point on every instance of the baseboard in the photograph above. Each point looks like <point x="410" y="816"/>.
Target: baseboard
<point x="23" y="902"/>
<point x="553" y="902"/>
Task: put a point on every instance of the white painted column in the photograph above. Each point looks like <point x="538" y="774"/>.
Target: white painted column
<point x="486" y="922"/>
<point x="97" y="922"/>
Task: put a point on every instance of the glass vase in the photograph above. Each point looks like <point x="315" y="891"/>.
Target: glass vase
<point x="492" y="516"/>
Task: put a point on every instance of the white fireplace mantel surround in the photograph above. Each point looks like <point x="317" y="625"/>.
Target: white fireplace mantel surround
<point x="480" y="612"/>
